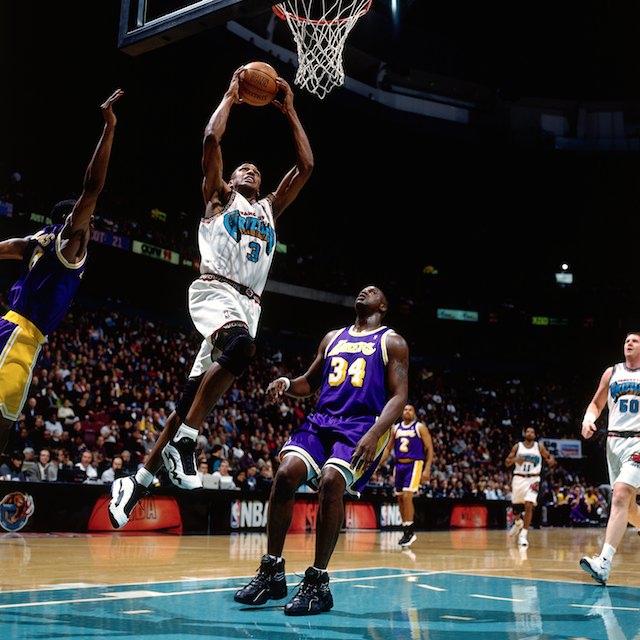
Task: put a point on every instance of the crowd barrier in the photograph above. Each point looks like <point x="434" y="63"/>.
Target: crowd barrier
<point x="82" y="508"/>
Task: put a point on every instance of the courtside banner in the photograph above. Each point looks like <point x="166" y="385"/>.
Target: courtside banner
<point x="151" y="251"/>
<point x="563" y="448"/>
<point x="110" y="239"/>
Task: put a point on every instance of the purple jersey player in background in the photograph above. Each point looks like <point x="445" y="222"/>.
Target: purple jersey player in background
<point x="362" y="374"/>
<point x="53" y="261"/>
<point x="412" y="448"/>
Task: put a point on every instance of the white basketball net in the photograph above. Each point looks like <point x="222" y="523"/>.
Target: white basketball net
<point x="320" y="29"/>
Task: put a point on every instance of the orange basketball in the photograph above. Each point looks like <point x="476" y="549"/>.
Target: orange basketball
<point x="257" y="85"/>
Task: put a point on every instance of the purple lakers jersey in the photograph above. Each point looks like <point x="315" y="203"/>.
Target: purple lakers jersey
<point x="47" y="282"/>
<point x="407" y="442"/>
<point x="354" y="380"/>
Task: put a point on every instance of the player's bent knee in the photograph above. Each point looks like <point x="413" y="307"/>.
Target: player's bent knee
<point x="238" y="350"/>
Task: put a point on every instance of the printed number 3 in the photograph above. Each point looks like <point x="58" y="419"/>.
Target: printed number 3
<point x="340" y="371"/>
<point x="254" y="253"/>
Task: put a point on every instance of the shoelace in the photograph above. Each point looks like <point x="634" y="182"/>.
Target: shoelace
<point x="261" y="579"/>
<point x="306" y="588"/>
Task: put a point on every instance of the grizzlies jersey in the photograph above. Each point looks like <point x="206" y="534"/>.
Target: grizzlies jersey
<point x="47" y="282"/>
<point x="623" y="400"/>
<point x="407" y="442"/>
<point x="532" y="465"/>
<point x="354" y="375"/>
<point x="239" y="243"/>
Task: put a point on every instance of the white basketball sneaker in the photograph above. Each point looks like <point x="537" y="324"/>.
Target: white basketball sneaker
<point x="179" y="457"/>
<point x="125" y="494"/>
<point x="522" y="539"/>
<point x="516" y="528"/>
<point x="597" y="567"/>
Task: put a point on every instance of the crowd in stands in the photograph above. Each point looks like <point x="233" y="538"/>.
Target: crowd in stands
<point x="106" y="383"/>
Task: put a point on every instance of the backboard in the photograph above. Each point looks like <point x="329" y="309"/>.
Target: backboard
<point x="149" y="24"/>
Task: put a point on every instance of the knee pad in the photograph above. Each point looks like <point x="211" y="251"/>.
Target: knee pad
<point x="188" y="394"/>
<point x="238" y="349"/>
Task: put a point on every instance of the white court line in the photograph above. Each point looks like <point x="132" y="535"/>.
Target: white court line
<point x="479" y="595"/>
<point x="428" y="586"/>
<point x="135" y="612"/>
<point x="123" y="595"/>
<point x="602" y="606"/>
<point x="464" y="618"/>
<point x="364" y="586"/>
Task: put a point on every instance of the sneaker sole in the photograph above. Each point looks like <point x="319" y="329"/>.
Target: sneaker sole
<point x="257" y="603"/>
<point x="291" y="612"/>
<point x="587" y="567"/>
<point x="405" y="545"/>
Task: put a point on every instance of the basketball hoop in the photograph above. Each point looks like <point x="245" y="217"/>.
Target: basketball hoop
<point x="320" y="29"/>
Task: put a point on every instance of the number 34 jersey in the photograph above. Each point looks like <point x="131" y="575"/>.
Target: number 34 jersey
<point x="623" y="400"/>
<point x="354" y="376"/>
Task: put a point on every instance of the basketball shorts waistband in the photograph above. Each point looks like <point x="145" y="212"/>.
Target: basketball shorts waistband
<point x="245" y="291"/>
<point x="623" y="434"/>
<point x="26" y="325"/>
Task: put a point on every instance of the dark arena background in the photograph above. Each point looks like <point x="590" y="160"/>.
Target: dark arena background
<point x="480" y="164"/>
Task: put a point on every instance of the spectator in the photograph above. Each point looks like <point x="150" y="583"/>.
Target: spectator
<point x="129" y="465"/>
<point x="114" y="471"/>
<point x="85" y="471"/>
<point x="66" y="469"/>
<point x="216" y="457"/>
<point x="44" y="470"/>
<point x="222" y="478"/>
<point x="52" y="424"/>
<point x="67" y="415"/>
<point x="12" y="470"/>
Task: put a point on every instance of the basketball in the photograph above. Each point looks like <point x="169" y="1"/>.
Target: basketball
<point x="257" y="83"/>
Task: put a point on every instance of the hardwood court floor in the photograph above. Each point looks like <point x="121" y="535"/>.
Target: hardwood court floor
<point x="449" y="584"/>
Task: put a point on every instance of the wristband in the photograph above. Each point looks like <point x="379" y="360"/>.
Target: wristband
<point x="589" y="416"/>
<point x="287" y="382"/>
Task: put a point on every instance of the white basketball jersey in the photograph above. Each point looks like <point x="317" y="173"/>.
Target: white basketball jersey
<point x="532" y="464"/>
<point x="623" y="400"/>
<point x="239" y="243"/>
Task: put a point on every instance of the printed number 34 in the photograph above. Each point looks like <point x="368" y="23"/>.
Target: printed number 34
<point x="341" y="370"/>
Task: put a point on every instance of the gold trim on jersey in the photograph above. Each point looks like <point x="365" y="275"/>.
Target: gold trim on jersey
<point x="65" y="262"/>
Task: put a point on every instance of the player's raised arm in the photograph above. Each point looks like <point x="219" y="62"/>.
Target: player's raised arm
<point x="213" y="183"/>
<point x="293" y="181"/>
<point x="77" y="226"/>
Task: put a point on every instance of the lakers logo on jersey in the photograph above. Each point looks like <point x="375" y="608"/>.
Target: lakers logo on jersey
<point x="238" y="225"/>
<point x="344" y="346"/>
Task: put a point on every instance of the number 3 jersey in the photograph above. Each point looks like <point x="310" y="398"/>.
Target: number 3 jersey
<point x="239" y="243"/>
<point x="354" y="376"/>
<point x="623" y="400"/>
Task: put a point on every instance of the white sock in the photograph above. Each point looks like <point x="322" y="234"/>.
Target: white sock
<point x="321" y="571"/>
<point x="144" y="477"/>
<point x="407" y="524"/>
<point x="608" y="552"/>
<point x="185" y="431"/>
<point x="524" y="532"/>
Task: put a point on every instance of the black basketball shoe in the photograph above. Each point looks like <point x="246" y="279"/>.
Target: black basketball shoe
<point x="312" y="597"/>
<point x="408" y="538"/>
<point x="269" y="583"/>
